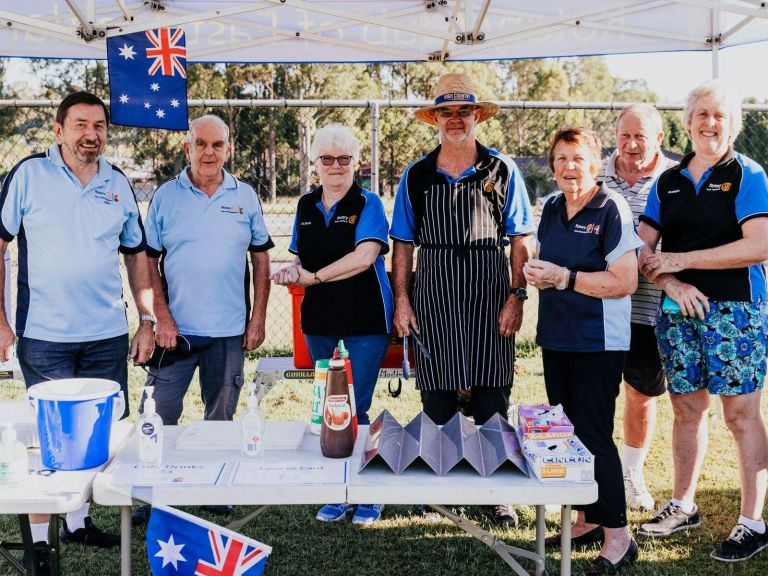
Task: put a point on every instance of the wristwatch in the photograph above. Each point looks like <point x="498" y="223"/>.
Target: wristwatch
<point x="521" y="293"/>
<point x="148" y="318"/>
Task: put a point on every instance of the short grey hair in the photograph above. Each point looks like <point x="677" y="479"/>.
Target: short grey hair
<point x="723" y="93"/>
<point x="334" y="136"/>
<point x="207" y="118"/>
<point x="646" y="112"/>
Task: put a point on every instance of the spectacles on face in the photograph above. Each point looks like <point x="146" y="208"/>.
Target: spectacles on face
<point x="329" y="160"/>
<point x="463" y="112"/>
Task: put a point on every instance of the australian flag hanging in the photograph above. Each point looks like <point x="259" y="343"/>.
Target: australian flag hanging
<point x="148" y="79"/>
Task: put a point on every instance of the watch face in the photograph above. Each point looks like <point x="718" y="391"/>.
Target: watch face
<point x="521" y="293"/>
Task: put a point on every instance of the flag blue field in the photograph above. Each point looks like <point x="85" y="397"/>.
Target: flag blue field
<point x="180" y="544"/>
<point x="148" y="79"/>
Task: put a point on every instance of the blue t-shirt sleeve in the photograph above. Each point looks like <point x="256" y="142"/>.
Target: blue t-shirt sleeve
<point x="373" y="223"/>
<point x="12" y="204"/>
<point x="260" y="239"/>
<point x="752" y="198"/>
<point x="620" y="236"/>
<point x="518" y="216"/>
<point x="132" y="238"/>
<point x="154" y="226"/>
<point x="293" y="247"/>
<point x="652" y="212"/>
<point x="403" y="218"/>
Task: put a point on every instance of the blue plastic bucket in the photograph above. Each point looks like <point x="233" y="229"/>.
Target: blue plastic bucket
<point x="74" y="420"/>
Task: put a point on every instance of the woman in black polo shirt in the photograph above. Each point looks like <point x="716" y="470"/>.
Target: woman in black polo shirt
<point x="585" y="272"/>
<point x="340" y="237"/>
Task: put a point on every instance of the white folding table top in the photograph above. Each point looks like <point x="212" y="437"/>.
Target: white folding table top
<point x="462" y="485"/>
<point x="106" y="491"/>
<point x="60" y="492"/>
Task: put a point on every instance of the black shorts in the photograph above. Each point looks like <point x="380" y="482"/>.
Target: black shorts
<point x="642" y="368"/>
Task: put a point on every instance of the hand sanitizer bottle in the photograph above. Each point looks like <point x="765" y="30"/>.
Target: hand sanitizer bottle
<point x="14" y="465"/>
<point x="149" y="430"/>
<point x="253" y="426"/>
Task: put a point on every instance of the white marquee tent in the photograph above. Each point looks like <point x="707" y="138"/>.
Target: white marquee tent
<point x="387" y="30"/>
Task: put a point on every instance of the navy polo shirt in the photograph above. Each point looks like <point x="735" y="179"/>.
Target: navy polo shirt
<point x="693" y="216"/>
<point x="599" y="234"/>
<point x="203" y="242"/>
<point x="69" y="286"/>
<point x="363" y="303"/>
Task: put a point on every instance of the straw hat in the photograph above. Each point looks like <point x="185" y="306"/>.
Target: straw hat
<point x="455" y="90"/>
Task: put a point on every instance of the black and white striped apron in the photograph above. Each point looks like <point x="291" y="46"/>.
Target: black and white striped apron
<point x="462" y="281"/>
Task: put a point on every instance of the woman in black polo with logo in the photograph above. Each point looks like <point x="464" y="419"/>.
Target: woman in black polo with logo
<point x="340" y="237"/>
<point x="585" y="272"/>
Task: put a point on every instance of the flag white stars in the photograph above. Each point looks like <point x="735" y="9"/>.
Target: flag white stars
<point x="127" y="52"/>
<point x="124" y="99"/>
<point x="175" y="103"/>
<point x="170" y="552"/>
<point x="154" y="87"/>
<point x="160" y="113"/>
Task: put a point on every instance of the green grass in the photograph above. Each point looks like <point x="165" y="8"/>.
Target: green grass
<point x="401" y="544"/>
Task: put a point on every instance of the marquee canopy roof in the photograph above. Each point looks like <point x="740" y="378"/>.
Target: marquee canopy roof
<point x="387" y="30"/>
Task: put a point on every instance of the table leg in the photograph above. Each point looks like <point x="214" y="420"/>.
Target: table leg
<point x="540" y="537"/>
<point x="125" y="541"/>
<point x="565" y="541"/>
<point x="54" y="557"/>
<point x="28" y="545"/>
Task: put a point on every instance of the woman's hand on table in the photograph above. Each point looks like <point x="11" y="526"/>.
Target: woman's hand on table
<point x="543" y="274"/>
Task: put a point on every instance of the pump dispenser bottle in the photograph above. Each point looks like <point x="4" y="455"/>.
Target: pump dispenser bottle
<point x="149" y="429"/>
<point x="253" y="426"/>
<point x="14" y="465"/>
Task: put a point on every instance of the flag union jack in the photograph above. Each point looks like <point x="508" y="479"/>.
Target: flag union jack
<point x="233" y="558"/>
<point x="166" y="52"/>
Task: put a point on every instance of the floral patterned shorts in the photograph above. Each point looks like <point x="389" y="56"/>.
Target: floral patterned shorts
<point x="724" y="353"/>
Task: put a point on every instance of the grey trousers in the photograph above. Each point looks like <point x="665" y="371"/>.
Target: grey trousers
<point x="221" y="378"/>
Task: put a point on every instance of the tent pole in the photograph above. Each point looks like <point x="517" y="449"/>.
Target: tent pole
<point x="715" y="46"/>
<point x="375" y="147"/>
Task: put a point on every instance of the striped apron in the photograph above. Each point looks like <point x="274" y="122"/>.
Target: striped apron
<point x="462" y="281"/>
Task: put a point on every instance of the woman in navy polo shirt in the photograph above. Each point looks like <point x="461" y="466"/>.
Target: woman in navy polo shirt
<point x="585" y="272"/>
<point x="340" y="237"/>
<point x="711" y="210"/>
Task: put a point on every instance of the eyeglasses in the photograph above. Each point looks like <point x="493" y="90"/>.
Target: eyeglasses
<point x="329" y="160"/>
<point x="463" y="112"/>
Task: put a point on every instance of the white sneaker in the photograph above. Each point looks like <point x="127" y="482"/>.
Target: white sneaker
<point x="638" y="497"/>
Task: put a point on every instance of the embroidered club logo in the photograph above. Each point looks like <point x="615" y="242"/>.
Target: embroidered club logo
<point x="596" y="229"/>
<point x="725" y="186"/>
<point x="107" y="197"/>
<point x="488" y="186"/>
<point x="231" y="209"/>
<point x="589" y="227"/>
<point x="353" y="219"/>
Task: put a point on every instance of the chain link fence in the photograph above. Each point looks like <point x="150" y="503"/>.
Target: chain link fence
<point x="270" y="150"/>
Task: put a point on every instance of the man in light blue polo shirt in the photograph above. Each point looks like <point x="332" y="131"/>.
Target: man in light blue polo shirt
<point x="200" y="227"/>
<point x="73" y="212"/>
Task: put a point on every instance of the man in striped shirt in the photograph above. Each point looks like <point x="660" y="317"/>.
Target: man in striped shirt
<point x="631" y="170"/>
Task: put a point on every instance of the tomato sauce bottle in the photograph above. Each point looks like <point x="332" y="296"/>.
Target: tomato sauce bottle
<point x="344" y="353"/>
<point x="337" y="438"/>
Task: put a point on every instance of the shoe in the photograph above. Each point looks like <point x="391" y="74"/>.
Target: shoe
<point x="504" y="515"/>
<point x="742" y="543"/>
<point x="333" y="512"/>
<point x="638" y="497"/>
<point x="367" y="513"/>
<point x="597" y="534"/>
<point x="602" y="565"/>
<point x="140" y="516"/>
<point x="43" y="567"/>
<point x="91" y="535"/>
<point x="670" y="519"/>
<point x="219" y="509"/>
<point x="428" y="513"/>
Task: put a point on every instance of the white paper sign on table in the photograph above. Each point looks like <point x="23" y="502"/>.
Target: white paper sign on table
<point x="300" y="472"/>
<point x="167" y="473"/>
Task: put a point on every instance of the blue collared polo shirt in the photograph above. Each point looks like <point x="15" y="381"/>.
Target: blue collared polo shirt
<point x="69" y="286"/>
<point x="593" y="239"/>
<point x="204" y="243"/>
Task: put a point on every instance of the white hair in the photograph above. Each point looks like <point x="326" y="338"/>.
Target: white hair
<point x="644" y="111"/>
<point x="333" y="136"/>
<point x="207" y="118"/>
<point x="724" y="94"/>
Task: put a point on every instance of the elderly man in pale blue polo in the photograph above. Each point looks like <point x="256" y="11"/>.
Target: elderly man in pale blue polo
<point x="200" y="227"/>
<point x="73" y="212"/>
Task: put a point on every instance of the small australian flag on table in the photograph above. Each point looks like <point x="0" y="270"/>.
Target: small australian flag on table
<point x="148" y="79"/>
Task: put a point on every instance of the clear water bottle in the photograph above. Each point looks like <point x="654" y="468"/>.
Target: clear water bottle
<point x="252" y="424"/>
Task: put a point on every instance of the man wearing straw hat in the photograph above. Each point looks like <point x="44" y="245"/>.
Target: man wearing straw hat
<point x="458" y="204"/>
